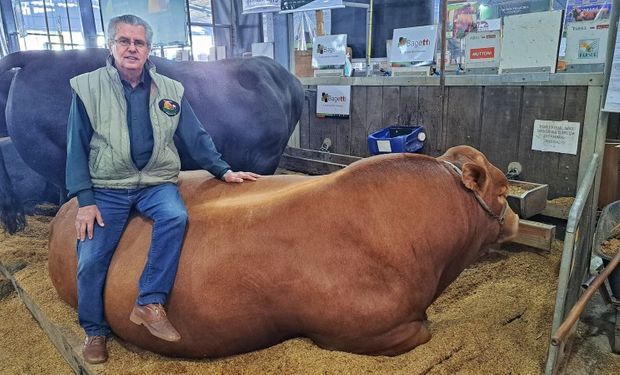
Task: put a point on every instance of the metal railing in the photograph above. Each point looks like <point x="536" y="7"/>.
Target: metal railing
<point x="575" y="257"/>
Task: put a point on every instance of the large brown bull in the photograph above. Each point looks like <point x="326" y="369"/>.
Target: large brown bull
<point x="351" y="260"/>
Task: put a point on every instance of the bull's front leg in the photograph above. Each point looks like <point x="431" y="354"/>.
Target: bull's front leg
<point x="399" y="340"/>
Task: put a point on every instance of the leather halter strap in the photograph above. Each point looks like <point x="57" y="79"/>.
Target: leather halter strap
<point x="483" y="204"/>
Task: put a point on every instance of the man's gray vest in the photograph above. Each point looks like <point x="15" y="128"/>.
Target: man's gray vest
<point x="109" y="161"/>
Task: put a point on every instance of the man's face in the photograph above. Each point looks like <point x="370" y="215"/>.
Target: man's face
<point x="129" y="48"/>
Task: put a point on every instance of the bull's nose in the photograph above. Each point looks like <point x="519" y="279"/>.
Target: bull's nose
<point x="510" y="229"/>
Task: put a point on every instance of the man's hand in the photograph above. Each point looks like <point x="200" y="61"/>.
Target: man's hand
<point x="85" y="221"/>
<point x="231" y="176"/>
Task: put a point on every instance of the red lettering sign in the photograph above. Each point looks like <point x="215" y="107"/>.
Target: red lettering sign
<point x="482" y="53"/>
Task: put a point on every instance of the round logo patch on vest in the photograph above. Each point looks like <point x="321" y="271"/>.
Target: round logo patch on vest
<point x="169" y="107"/>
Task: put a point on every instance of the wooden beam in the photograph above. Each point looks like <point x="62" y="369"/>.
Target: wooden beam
<point x="556" y="210"/>
<point x="314" y="162"/>
<point x="321" y="155"/>
<point x="534" y="234"/>
<point x="308" y="166"/>
<point x="65" y="341"/>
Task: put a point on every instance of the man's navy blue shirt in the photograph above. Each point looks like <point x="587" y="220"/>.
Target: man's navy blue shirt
<point x="189" y="132"/>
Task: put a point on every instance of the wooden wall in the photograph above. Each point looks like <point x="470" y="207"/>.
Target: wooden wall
<point x="498" y="120"/>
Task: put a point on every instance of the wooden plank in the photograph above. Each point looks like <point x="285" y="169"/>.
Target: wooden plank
<point x="463" y="121"/>
<point x="534" y="234"/>
<point x="304" y="121"/>
<point x="321" y="156"/>
<point x="568" y="165"/>
<point x="408" y="111"/>
<point x="540" y="103"/>
<point x="390" y="105"/>
<point x="374" y="109"/>
<point x="555" y="210"/>
<point x="359" y="133"/>
<point x="65" y="341"/>
<point x="308" y="166"/>
<point x="374" y="118"/>
<point x="429" y="115"/>
<point x="500" y="125"/>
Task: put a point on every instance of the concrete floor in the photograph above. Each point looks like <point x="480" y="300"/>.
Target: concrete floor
<point x="591" y="350"/>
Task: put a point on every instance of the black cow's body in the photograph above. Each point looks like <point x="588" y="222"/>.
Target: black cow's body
<point x="249" y="106"/>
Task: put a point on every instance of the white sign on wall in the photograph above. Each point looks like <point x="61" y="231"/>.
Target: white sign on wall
<point x="414" y="45"/>
<point x="530" y="42"/>
<point x="556" y="136"/>
<point x="482" y="49"/>
<point x="329" y="51"/>
<point x="586" y="42"/>
<point x="333" y="101"/>
<point x="612" y="101"/>
<point x="494" y="24"/>
<point x="259" y="6"/>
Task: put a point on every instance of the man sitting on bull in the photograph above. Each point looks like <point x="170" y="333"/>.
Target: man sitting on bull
<point x="121" y="156"/>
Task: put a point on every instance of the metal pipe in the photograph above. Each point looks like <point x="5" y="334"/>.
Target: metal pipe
<point x="369" y="13"/>
<point x="443" y="29"/>
<point x="560" y="335"/>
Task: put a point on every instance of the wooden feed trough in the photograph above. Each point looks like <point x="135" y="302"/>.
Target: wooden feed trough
<point x="527" y="198"/>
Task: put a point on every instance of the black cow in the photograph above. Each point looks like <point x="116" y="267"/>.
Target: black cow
<point x="249" y="106"/>
<point x="30" y="188"/>
<point x="5" y="84"/>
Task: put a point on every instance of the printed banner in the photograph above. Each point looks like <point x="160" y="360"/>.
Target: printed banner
<point x="333" y="101"/>
<point x="556" y="136"/>
<point x="586" y="42"/>
<point x="587" y="10"/>
<point x="260" y="6"/>
<point x="414" y="46"/>
<point x="329" y="51"/>
<point x="482" y="49"/>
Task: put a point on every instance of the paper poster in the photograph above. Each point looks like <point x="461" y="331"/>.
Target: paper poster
<point x="414" y="46"/>
<point x="263" y="49"/>
<point x="586" y="42"/>
<point x="333" y="101"/>
<point x="587" y="10"/>
<point x="612" y="101"/>
<point x="530" y="42"/>
<point x="556" y="136"/>
<point x="329" y="51"/>
<point x="494" y="24"/>
<point x="259" y="6"/>
<point x="482" y="49"/>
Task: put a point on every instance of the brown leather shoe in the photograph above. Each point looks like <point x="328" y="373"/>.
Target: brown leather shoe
<point x="153" y="317"/>
<point x="95" y="350"/>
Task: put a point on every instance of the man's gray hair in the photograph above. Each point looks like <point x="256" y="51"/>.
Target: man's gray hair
<point x="129" y="19"/>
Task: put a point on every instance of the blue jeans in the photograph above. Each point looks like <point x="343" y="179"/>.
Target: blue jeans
<point x="163" y="205"/>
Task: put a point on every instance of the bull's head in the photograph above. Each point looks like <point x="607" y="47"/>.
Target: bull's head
<point x="488" y="184"/>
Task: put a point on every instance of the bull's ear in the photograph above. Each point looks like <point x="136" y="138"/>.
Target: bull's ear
<point x="474" y="176"/>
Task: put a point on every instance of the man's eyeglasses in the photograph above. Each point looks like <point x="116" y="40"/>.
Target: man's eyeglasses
<point x="124" y="42"/>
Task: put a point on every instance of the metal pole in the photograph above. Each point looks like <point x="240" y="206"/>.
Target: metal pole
<point x="369" y="14"/>
<point x="189" y="30"/>
<point x="87" y="15"/>
<point x="10" y="27"/>
<point x="47" y="26"/>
